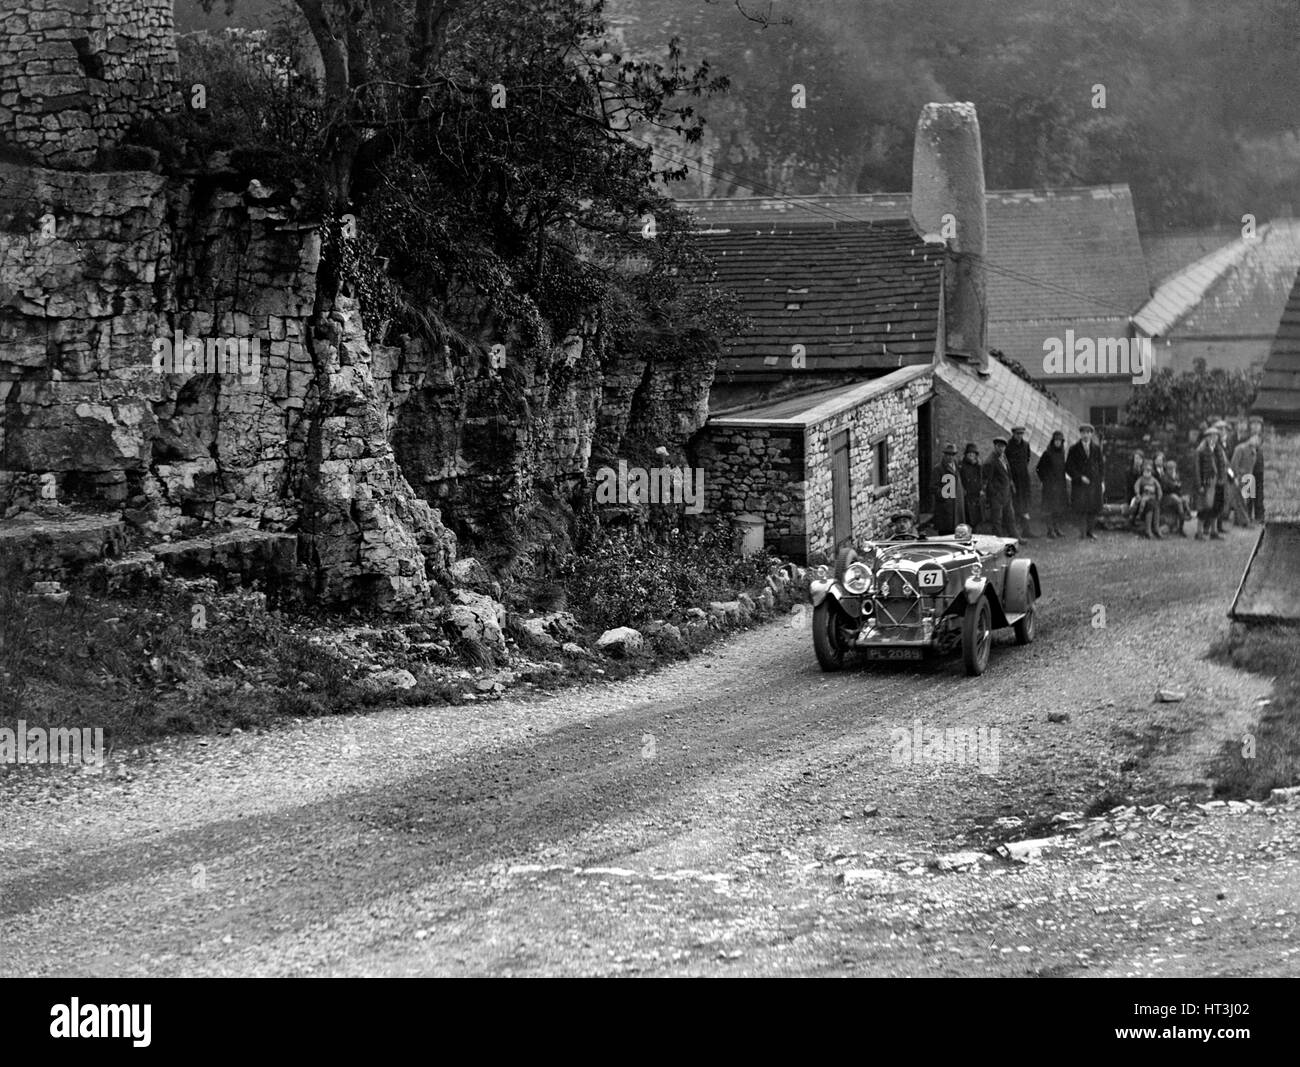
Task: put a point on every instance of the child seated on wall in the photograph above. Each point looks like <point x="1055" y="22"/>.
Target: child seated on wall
<point x="1145" y="505"/>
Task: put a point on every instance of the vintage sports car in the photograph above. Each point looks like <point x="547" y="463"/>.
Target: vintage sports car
<point x="914" y="598"/>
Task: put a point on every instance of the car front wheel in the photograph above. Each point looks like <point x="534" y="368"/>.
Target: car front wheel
<point x="829" y="640"/>
<point x="1025" y="626"/>
<point x="977" y="636"/>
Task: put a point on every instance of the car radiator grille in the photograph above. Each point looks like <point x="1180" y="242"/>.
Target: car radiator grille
<point x="899" y="612"/>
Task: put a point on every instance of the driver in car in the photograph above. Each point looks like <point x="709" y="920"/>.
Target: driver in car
<point x="902" y="527"/>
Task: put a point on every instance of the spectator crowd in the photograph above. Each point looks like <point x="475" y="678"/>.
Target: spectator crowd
<point x="993" y="494"/>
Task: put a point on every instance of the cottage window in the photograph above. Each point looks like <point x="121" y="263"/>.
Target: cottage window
<point x="880" y="464"/>
<point x="1104" y="416"/>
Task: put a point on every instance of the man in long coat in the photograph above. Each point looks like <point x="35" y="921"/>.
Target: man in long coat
<point x="949" y="496"/>
<point x="972" y="484"/>
<point x="1086" y="468"/>
<point x="1211" y="477"/>
<point x="1000" y="491"/>
<point x="1018" y="457"/>
<point x="1056" y="495"/>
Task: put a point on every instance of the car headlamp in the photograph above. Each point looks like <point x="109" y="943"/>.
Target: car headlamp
<point x="857" y="579"/>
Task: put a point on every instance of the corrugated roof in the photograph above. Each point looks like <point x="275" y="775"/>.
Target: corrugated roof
<point x="1053" y="256"/>
<point x="809" y="408"/>
<point x="1238" y="290"/>
<point x="855" y="295"/>
<point x="1278" y="398"/>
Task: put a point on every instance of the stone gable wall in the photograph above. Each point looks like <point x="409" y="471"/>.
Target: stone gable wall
<point x="75" y="74"/>
<point x="892" y="416"/>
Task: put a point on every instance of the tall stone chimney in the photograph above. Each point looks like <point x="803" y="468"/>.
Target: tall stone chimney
<point x="948" y="202"/>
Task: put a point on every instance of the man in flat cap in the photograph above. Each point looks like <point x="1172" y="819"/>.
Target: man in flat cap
<point x="1000" y="491"/>
<point x="949" y="495"/>
<point x="972" y="485"/>
<point x="1085" y="466"/>
<point x="902" y="527"/>
<point x="1018" y="457"/>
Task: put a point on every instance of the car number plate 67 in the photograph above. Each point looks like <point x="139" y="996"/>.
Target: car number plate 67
<point x="894" y="653"/>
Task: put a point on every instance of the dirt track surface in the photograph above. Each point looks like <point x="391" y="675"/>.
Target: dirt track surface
<point x="741" y="813"/>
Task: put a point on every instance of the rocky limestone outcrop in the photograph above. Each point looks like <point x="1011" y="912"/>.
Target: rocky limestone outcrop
<point x="104" y="404"/>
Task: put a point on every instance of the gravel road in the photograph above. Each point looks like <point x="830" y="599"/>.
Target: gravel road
<point x="741" y="813"/>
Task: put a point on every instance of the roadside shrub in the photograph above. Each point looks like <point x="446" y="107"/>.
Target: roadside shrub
<point x="622" y="578"/>
<point x="1182" y="401"/>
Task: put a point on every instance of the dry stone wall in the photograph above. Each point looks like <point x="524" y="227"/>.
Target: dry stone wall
<point x="755" y="470"/>
<point x="75" y="74"/>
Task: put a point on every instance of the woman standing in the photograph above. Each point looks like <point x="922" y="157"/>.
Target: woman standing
<point x="1051" y="472"/>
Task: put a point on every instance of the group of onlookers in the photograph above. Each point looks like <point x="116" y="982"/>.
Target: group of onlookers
<point x="993" y="495"/>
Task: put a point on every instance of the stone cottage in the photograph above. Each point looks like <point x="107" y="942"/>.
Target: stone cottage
<point x="866" y="350"/>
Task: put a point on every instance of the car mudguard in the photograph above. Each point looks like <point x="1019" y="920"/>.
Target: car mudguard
<point x="851" y="605"/>
<point x="1020" y="573"/>
<point x="972" y="591"/>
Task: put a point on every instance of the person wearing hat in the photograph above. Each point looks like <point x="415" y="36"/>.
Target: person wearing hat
<point x="1243" y="467"/>
<point x="1211" y="476"/>
<point x="1000" y="491"/>
<point x="1018" y="457"/>
<point x="902" y="527"/>
<point x="949" y="496"/>
<point x="1231" y="494"/>
<point x="1085" y="466"/>
<point x="1056" y="494"/>
<point x="1228" y="476"/>
<point x="972" y="484"/>
<point x="1256" y="426"/>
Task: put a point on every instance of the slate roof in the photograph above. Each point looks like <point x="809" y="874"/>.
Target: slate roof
<point x="1056" y="258"/>
<point x="854" y="294"/>
<point x="1278" y="399"/>
<point x="1169" y="251"/>
<point x="1237" y="291"/>
<point x="1010" y="401"/>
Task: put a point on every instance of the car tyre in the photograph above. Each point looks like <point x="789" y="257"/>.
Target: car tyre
<point x="977" y="636"/>
<point x="828" y="635"/>
<point x="1027" y="623"/>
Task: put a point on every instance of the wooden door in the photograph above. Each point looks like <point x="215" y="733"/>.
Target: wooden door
<point x="841" y="488"/>
<point x="924" y="456"/>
